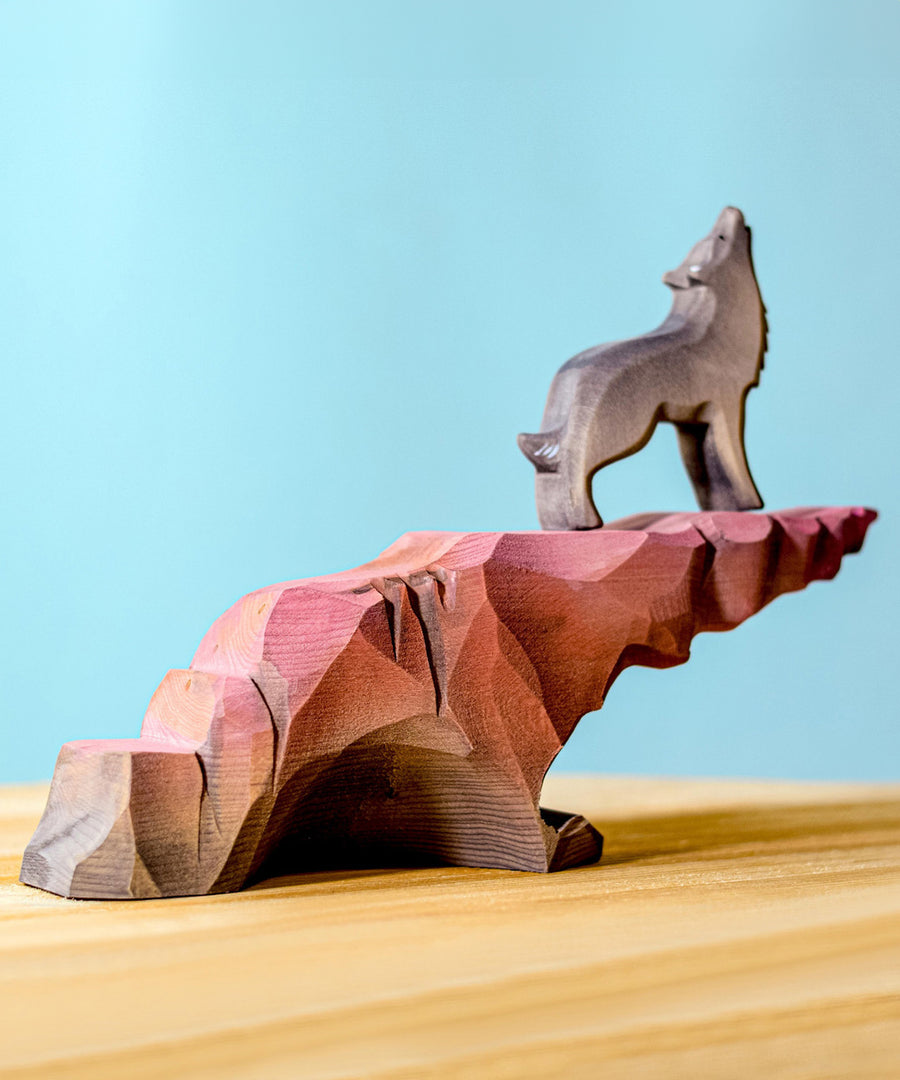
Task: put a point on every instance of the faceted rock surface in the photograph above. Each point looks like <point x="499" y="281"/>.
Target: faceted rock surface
<point x="407" y="711"/>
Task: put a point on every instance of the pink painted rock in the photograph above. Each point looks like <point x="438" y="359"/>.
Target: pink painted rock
<point x="407" y="711"/>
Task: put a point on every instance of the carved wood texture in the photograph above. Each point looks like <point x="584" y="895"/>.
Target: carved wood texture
<point x="407" y="711"/>
<point x="694" y="371"/>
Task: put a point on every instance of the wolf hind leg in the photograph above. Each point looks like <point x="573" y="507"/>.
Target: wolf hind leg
<point x="565" y="498"/>
<point x="565" y="502"/>
<point x="714" y="456"/>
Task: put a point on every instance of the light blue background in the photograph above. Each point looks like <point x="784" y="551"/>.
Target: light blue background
<point x="281" y="281"/>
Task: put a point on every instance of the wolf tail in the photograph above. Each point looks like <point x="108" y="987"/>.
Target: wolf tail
<point x="542" y="449"/>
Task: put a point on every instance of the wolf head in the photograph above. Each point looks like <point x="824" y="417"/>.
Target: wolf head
<point x="725" y="248"/>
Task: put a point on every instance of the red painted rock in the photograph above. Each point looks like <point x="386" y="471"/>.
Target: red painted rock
<point x="407" y="711"/>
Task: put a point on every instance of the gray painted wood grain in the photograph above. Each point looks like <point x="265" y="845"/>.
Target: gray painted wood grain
<point x="693" y="371"/>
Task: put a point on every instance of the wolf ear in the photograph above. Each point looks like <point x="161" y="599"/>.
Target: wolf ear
<point x="541" y="449"/>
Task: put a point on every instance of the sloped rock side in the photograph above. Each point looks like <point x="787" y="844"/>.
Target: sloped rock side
<point x="407" y="711"/>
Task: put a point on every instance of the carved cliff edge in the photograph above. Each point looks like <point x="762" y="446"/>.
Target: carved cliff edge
<point x="407" y="711"/>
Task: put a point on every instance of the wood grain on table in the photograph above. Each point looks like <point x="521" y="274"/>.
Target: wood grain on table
<point x="733" y="928"/>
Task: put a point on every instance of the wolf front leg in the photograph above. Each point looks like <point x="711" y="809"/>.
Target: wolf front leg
<point x="713" y="454"/>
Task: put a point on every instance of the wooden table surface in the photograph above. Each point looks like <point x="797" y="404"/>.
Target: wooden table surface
<point x="733" y="929"/>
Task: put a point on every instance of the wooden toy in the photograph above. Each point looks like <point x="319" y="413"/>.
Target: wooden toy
<point x="694" y="371"/>
<point x="407" y="711"/>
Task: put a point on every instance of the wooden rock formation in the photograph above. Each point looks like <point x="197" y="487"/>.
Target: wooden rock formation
<point x="407" y="711"/>
<point x="694" y="370"/>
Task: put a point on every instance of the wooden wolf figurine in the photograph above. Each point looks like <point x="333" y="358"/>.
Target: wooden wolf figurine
<point x="694" y="370"/>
